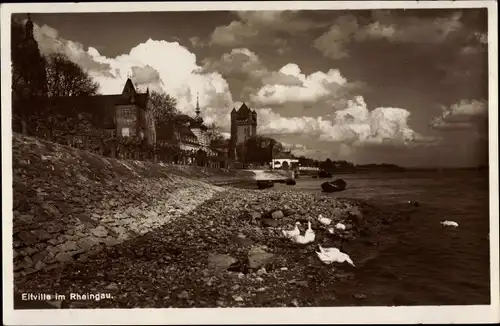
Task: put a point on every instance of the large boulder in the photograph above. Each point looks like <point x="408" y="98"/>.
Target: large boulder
<point x="258" y="257"/>
<point x="333" y="186"/>
<point x="220" y="262"/>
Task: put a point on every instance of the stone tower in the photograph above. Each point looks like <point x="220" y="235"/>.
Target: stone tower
<point x="29" y="76"/>
<point x="243" y="127"/>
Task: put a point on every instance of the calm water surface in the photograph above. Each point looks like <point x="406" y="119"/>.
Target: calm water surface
<point x="417" y="261"/>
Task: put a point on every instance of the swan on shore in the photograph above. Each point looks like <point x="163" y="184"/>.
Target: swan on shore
<point x="308" y="237"/>
<point x="333" y="255"/>
<point x="449" y="223"/>
<point x="292" y="233"/>
<point x="324" y="220"/>
<point x="340" y="226"/>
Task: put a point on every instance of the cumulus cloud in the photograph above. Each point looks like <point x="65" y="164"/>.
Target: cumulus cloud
<point x="261" y="28"/>
<point x="290" y="85"/>
<point x="355" y="126"/>
<point x="399" y="29"/>
<point x="49" y="42"/>
<point x="182" y="80"/>
<point x="462" y="115"/>
<point x="243" y="70"/>
<point x="288" y="88"/>
<point x="333" y="42"/>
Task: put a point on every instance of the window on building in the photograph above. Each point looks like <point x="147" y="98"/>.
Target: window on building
<point x="126" y="112"/>
<point x="125" y="132"/>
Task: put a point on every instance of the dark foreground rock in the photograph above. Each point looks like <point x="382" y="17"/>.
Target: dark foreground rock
<point x="200" y="259"/>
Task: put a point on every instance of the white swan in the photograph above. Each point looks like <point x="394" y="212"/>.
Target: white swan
<point x="324" y="220"/>
<point x="292" y="233"/>
<point x="340" y="226"/>
<point x="331" y="255"/>
<point x="308" y="237"/>
<point x="449" y="223"/>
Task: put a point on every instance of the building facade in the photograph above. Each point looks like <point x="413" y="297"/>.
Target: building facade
<point x="191" y="134"/>
<point x="243" y="127"/>
<point x="124" y="115"/>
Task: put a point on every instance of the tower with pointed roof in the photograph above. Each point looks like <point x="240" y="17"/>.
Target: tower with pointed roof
<point x="199" y="129"/>
<point x="30" y="75"/>
<point x="243" y="127"/>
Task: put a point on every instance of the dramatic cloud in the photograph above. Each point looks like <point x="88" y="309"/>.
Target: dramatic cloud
<point x="182" y="80"/>
<point x="397" y="29"/>
<point x="252" y="81"/>
<point x="243" y="70"/>
<point x="262" y="28"/>
<point x="279" y="64"/>
<point x="462" y="115"/>
<point x="355" y="125"/>
<point x="411" y="29"/>
<point x="49" y="42"/>
<point x="290" y="85"/>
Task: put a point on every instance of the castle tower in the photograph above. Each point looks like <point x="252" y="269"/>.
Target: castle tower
<point x="243" y="126"/>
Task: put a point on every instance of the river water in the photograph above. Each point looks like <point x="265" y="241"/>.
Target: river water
<point x="417" y="261"/>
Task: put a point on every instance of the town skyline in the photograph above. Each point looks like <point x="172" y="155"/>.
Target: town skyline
<point x="397" y="86"/>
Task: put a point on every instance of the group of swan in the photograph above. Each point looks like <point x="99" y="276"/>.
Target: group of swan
<point x="294" y="235"/>
<point x="329" y="255"/>
<point x="326" y="255"/>
<point x="327" y="221"/>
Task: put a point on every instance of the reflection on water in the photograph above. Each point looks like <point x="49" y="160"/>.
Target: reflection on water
<point x="419" y="262"/>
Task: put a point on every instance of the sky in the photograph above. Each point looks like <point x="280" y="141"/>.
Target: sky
<point x="408" y="87"/>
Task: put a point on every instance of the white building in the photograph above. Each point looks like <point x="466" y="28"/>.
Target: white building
<point x="284" y="160"/>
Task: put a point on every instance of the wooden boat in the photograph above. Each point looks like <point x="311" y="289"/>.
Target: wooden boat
<point x="291" y="182"/>
<point x="333" y="186"/>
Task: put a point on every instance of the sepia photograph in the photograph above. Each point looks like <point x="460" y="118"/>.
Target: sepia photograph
<point x="309" y="161"/>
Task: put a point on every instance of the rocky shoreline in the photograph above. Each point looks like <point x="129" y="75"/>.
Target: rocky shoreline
<point x="69" y="204"/>
<point x="227" y="252"/>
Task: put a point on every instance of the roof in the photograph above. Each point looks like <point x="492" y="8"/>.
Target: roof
<point x="185" y="131"/>
<point x="282" y="156"/>
<point x="244" y="111"/>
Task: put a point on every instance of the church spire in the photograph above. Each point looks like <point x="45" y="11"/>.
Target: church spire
<point x="198" y="118"/>
<point x="29" y="28"/>
<point x="197" y="105"/>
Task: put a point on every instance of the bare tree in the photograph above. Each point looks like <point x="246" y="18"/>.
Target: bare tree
<point x="66" y="78"/>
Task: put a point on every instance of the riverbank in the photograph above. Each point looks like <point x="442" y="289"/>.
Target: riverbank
<point x="155" y="235"/>
<point x="228" y="252"/>
<point x="69" y="204"/>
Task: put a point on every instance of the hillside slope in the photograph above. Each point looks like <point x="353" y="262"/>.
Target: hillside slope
<point x="69" y="204"/>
